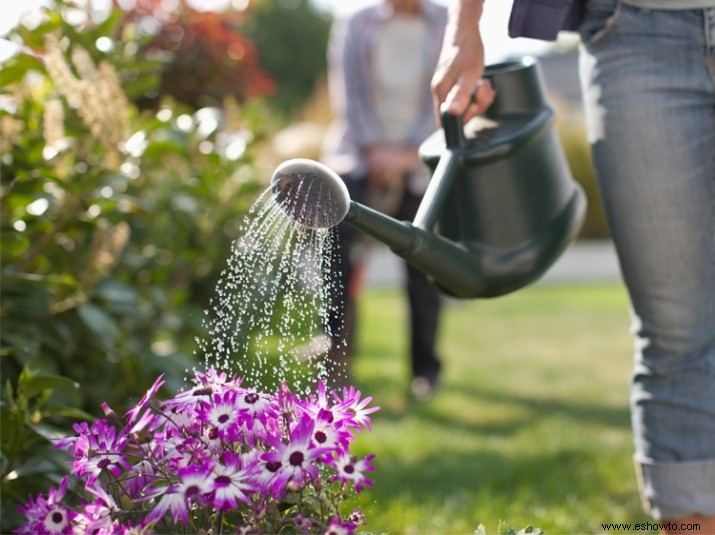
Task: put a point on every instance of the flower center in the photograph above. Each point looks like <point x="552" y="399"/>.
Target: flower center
<point x="320" y="437"/>
<point x="223" y="418"/>
<point x="191" y="491"/>
<point x="251" y="397"/>
<point x="104" y="463"/>
<point x="296" y="458"/>
<point x="58" y="517"/>
<point x="349" y="469"/>
<point x="273" y="466"/>
<point x="222" y="481"/>
<point x="213" y="434"/>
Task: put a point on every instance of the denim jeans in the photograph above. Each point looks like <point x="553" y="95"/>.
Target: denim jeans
<point x="648" y="80"/>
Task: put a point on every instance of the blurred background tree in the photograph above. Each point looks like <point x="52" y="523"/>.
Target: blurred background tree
<point x="292" y="38"/>
<point x="205" y="57"/>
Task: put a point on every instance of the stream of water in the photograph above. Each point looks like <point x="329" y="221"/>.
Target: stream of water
<point x="272" y="302"/>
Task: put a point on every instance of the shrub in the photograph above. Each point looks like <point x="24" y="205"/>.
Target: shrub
<point x="115" y="227"/>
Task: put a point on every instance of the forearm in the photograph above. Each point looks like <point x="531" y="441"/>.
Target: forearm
<point x="461" y="63"/>
<point x="464" y="16"/>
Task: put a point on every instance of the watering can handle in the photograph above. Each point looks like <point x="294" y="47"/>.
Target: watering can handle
<point x="453" y="127"/>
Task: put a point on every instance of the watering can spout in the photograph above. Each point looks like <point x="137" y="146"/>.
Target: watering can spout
<point x="315" y="197"/>
<point x="500" y="208"/>
<point x="460" y="269"/>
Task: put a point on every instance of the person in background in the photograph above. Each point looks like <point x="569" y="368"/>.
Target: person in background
<point x="381" y="60"/>
<point x="648" y="78"/>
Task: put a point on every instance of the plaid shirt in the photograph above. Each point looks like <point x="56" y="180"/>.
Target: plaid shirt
<point x="351" y="88"/>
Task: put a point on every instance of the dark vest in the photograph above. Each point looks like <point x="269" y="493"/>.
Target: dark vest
<point x="543" y="19"/>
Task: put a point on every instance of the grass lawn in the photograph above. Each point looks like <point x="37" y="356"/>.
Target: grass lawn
<point x="531" y="424"/>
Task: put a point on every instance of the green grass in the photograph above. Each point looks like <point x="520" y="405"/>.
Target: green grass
<point x="530" y="426"/>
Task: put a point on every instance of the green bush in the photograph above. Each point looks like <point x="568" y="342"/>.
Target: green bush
<point x="115" y="225"/>
<point x="291" y="37"/>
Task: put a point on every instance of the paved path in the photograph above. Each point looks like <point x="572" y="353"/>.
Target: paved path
<point x="583" y="261"/>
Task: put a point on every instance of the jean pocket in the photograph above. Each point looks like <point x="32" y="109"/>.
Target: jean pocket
<point x="600" y="19"/>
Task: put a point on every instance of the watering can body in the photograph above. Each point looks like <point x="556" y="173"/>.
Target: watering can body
<point x="501" y="206"/>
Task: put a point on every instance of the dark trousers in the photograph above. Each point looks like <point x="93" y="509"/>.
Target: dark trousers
<point x="425" y="302"/>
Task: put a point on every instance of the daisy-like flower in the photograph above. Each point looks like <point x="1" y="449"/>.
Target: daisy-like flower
<point x="287" y="400"/>
<point x="206" y="384"/>
<point x="320" y="404"/>
<point x="193" y="484"/>
<point x="213" y="378"/>
<point x="97" y="517"/>
<point x="140" y="477"/>
<point x="339" y="527"/>
<point x="326" y="434"/>
<point x="216" y="448"/>
<point x="96" y="449"/>
<point x="134" y="412"/>
<point x="231" y="483"/>
<point x="358" y="408"/>
<point x="297" y="458"/>
<point x="221" y="413"/>
<point x="349" y="469"/>
<point x="257" y="406"/>
<point x="48" y="515"/>
<point x="57" y="520"/>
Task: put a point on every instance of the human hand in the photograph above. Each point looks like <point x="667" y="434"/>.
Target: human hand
<point x="457" y="82"/>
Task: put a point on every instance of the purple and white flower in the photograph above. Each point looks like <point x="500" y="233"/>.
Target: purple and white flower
<point x="215" y="456"/>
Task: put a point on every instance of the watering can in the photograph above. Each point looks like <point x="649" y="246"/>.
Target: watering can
<point x="501" y="205"/>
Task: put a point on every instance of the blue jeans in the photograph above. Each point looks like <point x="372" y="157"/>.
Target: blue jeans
<point x="648" y="80"/>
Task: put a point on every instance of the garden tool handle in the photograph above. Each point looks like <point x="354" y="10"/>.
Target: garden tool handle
<point x="453" y="125"/>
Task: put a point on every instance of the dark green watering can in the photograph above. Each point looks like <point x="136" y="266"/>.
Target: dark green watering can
<point x="500" y="208"/>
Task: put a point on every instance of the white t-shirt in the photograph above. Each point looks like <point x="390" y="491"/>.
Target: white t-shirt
<point x="401" y="70"/>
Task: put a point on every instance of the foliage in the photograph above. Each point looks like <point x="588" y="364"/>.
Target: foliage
<point x="506" y="529"/>
<point x="213" y="458"/>
<point x="115" y="223"/>
<point x="206" y="59"/>
<point x="291" y="37"/>
<point x="24" y="416"/>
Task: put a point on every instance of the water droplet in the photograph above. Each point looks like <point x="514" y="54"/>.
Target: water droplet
<point x="272" y="301"/>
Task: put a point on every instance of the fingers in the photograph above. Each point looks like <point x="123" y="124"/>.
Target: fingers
<point x="458" y="78"/>
<point x="459" y="98"/>
<point x="466" y="97"/>
<point x="483" y="97"/>
<point x="452" y="86"/>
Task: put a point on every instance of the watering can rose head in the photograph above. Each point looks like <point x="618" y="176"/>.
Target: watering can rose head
<point x="219" y="457"/>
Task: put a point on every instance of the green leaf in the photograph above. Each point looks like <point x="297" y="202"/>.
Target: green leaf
<point x="11" y="422"/>
<point x="16" y="69"/>
<point x="72" y="412"/>
<point x="37" y="466"/>
<point x="31" y="386"/>
<point x="48" y="432"/>
<point x="141" y="85"/>
<point x="117" y="292"/>
<point x="98" y="322"/>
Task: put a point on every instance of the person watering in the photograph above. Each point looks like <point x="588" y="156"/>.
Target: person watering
<point x="647" y="70"/>
<point x="381" y="60"/>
